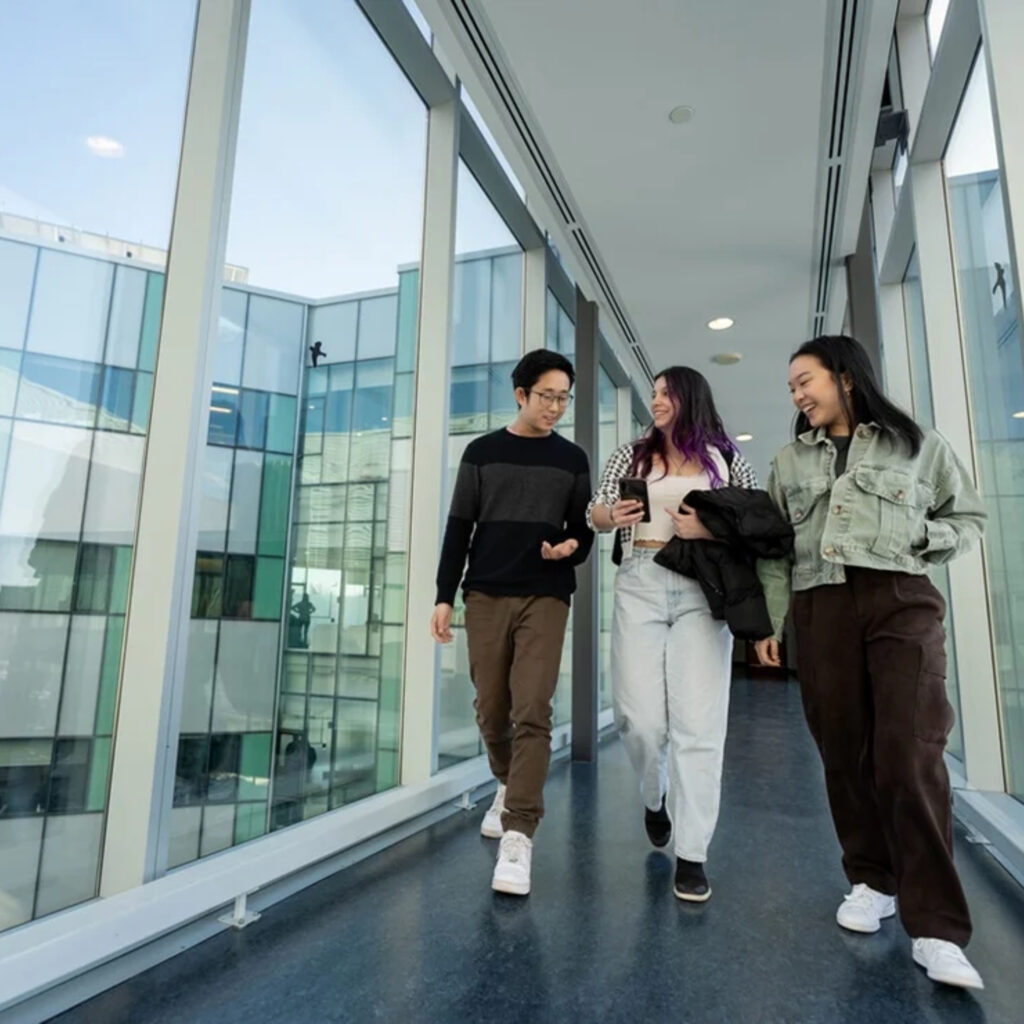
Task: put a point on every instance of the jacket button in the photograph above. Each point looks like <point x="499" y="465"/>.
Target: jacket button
<point x="798" y="513"/>
<point x="837" y="509"/>
<point x="898" y="495"/>
<point x="830" y="551"/>
<point x="863" y="432"/>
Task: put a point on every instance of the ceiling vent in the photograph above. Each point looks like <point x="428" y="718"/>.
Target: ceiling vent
<point x="833" y="165"/>
<point x="491" y="67"/>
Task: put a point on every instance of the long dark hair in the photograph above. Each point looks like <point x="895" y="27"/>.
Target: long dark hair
<point x="696" y="426"/>
<point x="841" y="355"/>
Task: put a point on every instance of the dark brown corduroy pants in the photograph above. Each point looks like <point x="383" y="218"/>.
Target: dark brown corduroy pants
<point x="515" y="648"/>
<point x="872" y="666"/>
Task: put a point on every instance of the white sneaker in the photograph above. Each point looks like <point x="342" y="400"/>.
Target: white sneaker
<point x="491" y="825"/>
<point x="863" y="909"/>
<point x="512" y="872"/>
<point x="945" y="962"/>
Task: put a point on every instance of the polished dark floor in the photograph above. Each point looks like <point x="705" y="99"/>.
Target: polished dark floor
<point x="415" y="934"/>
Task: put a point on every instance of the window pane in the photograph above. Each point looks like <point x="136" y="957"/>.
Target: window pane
<point x="17" y="268"/>
<point x="82" y="292"/>
<point x="990" y="310"/>
<point x="331" y="232"/>
<point x="126" y="311"/>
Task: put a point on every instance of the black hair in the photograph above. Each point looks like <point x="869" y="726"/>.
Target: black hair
<point x="535" y="364"/>
<point x="865" y="403"/>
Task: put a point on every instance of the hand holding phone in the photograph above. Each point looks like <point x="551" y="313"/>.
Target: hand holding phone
<point x="635" y="488"/>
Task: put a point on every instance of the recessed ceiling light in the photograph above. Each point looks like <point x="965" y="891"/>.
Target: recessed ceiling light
<point x="1019" y="415"/>
<point x="100" y="145"/>
<point x="726" y="358"/>
<point x="744" y="437"/>
<point x="721" y="323"/>
<point x="681" y="115"/>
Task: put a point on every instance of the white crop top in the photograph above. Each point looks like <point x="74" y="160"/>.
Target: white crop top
<point x="668" y="491"/>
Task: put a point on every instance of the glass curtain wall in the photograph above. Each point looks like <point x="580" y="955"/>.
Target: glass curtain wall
<point x="990" y="309"/>
<point x="87" y="184"/>
<point x="293" y="684"/>
<point x="921" y="390"/>
<point x="487" y="342"/>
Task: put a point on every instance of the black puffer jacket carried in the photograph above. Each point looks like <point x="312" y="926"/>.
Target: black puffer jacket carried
<point x="751" y="527"/>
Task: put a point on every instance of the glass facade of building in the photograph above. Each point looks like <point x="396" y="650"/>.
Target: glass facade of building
<point x="79" y="323"/>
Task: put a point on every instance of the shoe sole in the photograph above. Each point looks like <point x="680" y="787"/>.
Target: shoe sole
<point x="664" y="842"/>
<point x="866" y="931"/>
<point x="949" y="979"/>
<point x="511" y="888"/>
<point x="490" y="833"/>
<point x="692" y="897"/>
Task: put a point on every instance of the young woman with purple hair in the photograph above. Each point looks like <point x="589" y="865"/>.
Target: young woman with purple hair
<point x="671" y="660"/>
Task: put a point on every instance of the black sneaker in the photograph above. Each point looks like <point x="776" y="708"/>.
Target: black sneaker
<point x="658" y="825"/>
<point x="691" y="883"/>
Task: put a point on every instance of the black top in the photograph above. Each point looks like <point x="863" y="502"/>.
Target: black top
<point x="517" y="492"/>
<point x="842" y="453"/>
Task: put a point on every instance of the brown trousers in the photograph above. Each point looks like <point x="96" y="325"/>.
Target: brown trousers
<point x="872" y="666"/>
<point x="515" y="648"/>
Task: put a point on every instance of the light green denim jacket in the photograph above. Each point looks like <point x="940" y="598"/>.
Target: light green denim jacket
<point x="888" y="511"/>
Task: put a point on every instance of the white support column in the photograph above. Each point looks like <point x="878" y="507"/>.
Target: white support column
<point x="161" y="588"/>
<point x="1002" y="26"/>
<point x="535" y="290"/>
<point x="883" y="205"/>
<point x="429" y="442"/>
<point x="979" y="709"/>
<point x="915" y="67"/>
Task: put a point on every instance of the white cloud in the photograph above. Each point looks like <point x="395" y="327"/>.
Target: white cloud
<point x="106" y="147"/>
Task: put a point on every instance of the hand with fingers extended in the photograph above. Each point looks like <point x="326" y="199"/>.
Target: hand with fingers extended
<point x="441" y="624"/>
<point x="768" y="652"/>
<point x="687" y="524"/>
<point x="556" y="552"/>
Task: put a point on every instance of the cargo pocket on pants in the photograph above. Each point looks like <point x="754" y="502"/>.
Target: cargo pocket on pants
<point x="933" y="714"/>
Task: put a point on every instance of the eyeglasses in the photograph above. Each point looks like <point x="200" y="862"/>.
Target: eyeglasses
<point x="553" y="400"/>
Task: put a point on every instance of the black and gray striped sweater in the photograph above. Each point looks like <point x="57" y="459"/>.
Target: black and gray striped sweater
<point x="513" y="493"/>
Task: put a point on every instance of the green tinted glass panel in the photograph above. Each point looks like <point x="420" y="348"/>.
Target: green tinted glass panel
<point x="40" y="576"/>
<point x="254" y="769"/>
<point x="281" y="424"/>
<point x="266" y="601"/>
<point x="274" y="504"/>
<point x="122" y="576"/>
<point x="151" y="321"/>
<point x="108" y="678"/>
<point x="408" y="305"/>
<point x="387" y="770"/>
<point x="94" y="571"/>
<point x="98" y="774"/>
<point x="250" y="822"/>
<point x="143" y="400"/>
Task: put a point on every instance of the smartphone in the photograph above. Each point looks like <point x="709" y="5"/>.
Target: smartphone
<point x="635" y="487"/>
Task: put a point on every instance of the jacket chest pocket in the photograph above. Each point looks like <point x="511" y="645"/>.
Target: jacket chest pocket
<point x="895" y="506"/>
<point x="801" y="500"/>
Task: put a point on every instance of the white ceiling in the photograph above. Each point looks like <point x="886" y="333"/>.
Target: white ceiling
<point x="713" y="218"/>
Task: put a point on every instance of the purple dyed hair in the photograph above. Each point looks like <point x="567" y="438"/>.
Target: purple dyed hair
<point x="696" y="426"/>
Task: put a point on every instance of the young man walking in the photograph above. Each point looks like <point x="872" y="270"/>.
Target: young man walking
<point x="519" y="511"/>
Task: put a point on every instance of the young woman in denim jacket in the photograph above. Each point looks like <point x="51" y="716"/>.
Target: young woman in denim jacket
<point x="875" y="502"/>
<point x="670" y="658"/>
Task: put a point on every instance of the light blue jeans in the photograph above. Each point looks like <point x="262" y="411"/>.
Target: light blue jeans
<point x="671" y="669"/>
